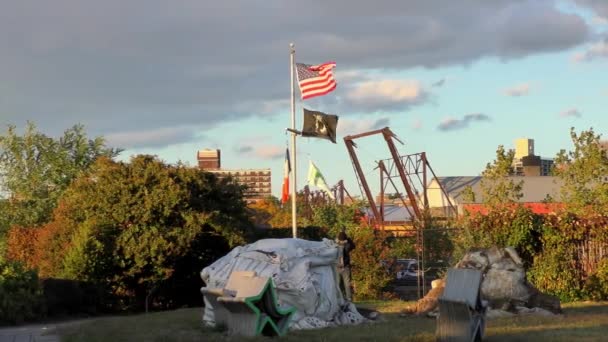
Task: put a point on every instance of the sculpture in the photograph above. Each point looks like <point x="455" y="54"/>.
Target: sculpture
<point x="504" y="286"/>
<point x="302" y="271"/>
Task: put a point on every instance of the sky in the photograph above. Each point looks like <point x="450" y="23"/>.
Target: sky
<point x="454" y="79"/>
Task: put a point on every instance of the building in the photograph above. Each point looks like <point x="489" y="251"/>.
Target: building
<point x="209" y="159"/>
<point x="257" y="181"/>
<point x="535" y="189"/>
<point x="526" y="163"/>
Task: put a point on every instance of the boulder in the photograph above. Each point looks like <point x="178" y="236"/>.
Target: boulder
<point x="504" y="286"/>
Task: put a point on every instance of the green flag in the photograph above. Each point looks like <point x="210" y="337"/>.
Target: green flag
<point x="315" y="178"/>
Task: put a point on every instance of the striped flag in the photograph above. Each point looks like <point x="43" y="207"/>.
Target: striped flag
<point x="286" y="171"/>
<point x="315" y="80"/>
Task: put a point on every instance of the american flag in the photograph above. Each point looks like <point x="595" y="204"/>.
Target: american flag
<point x="315" y="80"/>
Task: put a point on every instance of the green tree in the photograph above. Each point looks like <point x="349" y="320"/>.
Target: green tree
<point x="468" y="195"/>
<point x="336" y="217"/>
<point x="583" y="172"/>
<point x="133" y="226"/>
<point x="496" y="186"/>
<point x="35" y="169"/>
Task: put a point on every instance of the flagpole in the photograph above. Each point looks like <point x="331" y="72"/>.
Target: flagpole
<point x="294" y="224"/>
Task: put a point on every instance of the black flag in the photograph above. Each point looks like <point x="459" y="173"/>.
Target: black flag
<point x="319" y="125"/>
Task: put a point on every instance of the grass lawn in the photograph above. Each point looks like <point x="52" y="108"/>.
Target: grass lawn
<point x="580" y="322"/>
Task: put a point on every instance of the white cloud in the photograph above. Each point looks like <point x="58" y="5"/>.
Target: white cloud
<point x="600" y="7"/>
<point x="141" y="65"/>
<point x="452" y="124"/>
<point x="353" y="126"/>
<point x="388" y="93"/>
<point x="595" y="51"/>
<point x="518" y="90"/>
<point x="251" y="146"/>
<point x="269" y="151"/>
<point x="570" y="113"/>
<point x="159" y="137"/>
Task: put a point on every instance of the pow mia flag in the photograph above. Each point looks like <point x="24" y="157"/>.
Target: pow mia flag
<point x="319" y="125"/>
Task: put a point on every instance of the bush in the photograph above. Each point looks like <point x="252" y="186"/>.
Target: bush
<point x="20" y="294"/>
<point x="370" y="276"/>
<point x="596" y="286"/>
<point x="71" y="297"/>
<point x="515" y="226"/>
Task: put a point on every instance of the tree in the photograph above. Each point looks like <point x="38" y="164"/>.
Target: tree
<point x="584" y="171"/>
<point x="35" y="170"/>
<point x="130" y="226"/>
<point x="496" y="186"/>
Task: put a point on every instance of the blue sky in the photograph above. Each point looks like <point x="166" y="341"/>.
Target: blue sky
<point x="170" y="78"/>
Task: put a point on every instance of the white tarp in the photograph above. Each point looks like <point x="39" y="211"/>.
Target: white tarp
<point x="303" y="272"/>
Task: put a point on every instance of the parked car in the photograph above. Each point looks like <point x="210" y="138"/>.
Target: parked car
<point x="407" y="270"/>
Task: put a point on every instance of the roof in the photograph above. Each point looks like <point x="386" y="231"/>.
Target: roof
<point x="392" y="213"/>
<point x="534" y="188"/>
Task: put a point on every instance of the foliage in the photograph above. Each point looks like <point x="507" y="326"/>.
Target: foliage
<point x="71" y="297"/>
<point x="35" y="170"/>
<point x="336" y="217"/>
<point x="468" y="195"/>
<point x="129" y="225"/>
<point x="311" y="233"/>
<point x="596" y="285"/>
<point x="583" y="172"/>
<point x="554" y="269"/>
<point x="517" y="227"/>
<point x="369" y="274"/>
<point x="20" y="293"/>
<point x="497" y="189"/>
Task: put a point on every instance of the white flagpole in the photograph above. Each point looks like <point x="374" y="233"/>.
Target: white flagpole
<point x="294" y="224"/>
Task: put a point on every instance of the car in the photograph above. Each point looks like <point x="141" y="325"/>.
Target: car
<point x="407" y="270"/>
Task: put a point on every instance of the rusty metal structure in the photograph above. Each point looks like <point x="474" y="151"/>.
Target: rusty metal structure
<point x="413" y="171"/>
<point x="317" y="197"/>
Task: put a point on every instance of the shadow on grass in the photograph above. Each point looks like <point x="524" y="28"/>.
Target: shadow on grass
<point x="553" y="333"/>
<point x="585" y="308"/>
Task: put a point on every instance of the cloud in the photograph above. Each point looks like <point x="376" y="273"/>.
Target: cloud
<point x="153" y="138"/>
<point x="452" y="124"/>
<point x="600" y="7"/>
<point x="261" y="151"/>
<point x="518" y="90"/>
<point x="595" y="51"/>
<point x="386" y="94"/>
<point x="243" y="149"/>
<point x="143" y="65"/>
<point x="353" y="126"/>
<point x="269" y="152"/>
<point x="439" y="83"/>
<point x="570" y="113"/>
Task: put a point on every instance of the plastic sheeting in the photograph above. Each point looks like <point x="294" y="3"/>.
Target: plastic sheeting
<point x="303" y="272"/>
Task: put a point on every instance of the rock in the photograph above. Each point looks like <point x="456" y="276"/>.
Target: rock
<point x="504" y="286"/>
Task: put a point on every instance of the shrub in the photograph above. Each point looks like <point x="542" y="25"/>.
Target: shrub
<point x="596" y="286"/>
<point x="20" y="294"/>
<point x="515" y="226"/>
<point x="71" y="297"/>
<point x="369" y="274"/>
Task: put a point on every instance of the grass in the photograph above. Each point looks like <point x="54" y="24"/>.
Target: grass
<point x="580" y="322"/>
